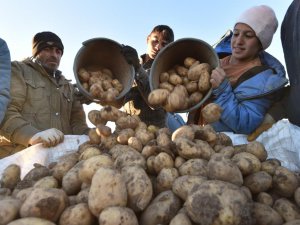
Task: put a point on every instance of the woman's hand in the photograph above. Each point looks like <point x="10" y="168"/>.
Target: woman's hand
<point x="217" y="77"/>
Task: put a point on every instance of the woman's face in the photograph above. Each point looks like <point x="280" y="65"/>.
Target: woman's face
<point x="155" y="42"/>
<point x="244" y="43"/>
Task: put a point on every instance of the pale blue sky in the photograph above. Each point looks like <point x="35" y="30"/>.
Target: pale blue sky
<point x="125" y="21"/>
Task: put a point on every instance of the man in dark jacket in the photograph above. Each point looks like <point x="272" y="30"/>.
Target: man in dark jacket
<point x="43" y="105"/>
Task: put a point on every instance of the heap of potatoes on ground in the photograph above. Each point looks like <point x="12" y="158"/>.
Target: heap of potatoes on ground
<point x="140" y="174"/>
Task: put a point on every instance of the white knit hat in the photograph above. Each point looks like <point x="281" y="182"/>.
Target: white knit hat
<point x="263" y="21"/>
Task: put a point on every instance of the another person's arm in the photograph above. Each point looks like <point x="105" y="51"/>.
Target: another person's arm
<point x="5" y="71"/>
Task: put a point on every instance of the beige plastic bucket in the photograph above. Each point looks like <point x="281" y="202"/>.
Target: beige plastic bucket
<point x="175" y="53"/>
<point x="106" y="53"/>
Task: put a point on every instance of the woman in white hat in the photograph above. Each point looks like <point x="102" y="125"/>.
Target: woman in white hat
<point x="249" y="79"/>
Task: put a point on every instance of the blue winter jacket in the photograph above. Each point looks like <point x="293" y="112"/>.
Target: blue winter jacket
<point x="5" y="70"/>
<point x="244" y="106"/>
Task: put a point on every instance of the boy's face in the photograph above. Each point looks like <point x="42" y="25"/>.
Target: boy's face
<point x="155" y="42"/>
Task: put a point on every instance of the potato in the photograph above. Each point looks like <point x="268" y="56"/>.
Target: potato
<point x="181" y="219"/>
<point x="191" y="86"/>
<point x="163" y="160"/>
<point x="163" y="140"/>
<point x="45" y="203"/>
<point x="23" y="194"/>
<point x="195" y="98"/>
<point x="258" y="182"/>
<point x="285" y="182"/>
<point x="189" y="61"/>
<point x="103" y="130"/>
<point x="128" y="121"/>
<point x="117" y="215"/>
<point x="297" y="196"/>
<point x="135" y="143"/>
<point x="91" y="165"/>
<point x="117" y="85"/>
<point x="179" y="161"/>
<point x="39" y="171"/>
<point x="197" y="167"/>
<point x="265" y="215"/>
<point x="188" y="149"/>
<point x="265" y="198"/>
<point x="144" y="135"/>
<point x="167" y="86"/>
<point x="9" y="210"/>
<point x="31" y="221"/>
<point x="219" y="202"/>
<point x="63" y="165"/>
<point x="205" y="133"/>
<point x="177" y="99"/>
<point x="150" y="165"/>
<point x="164" y="77"/>
<point x="175" y="79"/>
<point x="95" y="118"/>
<point x="183" y="185"/>
<point x="195" y="72"/>
<point x="150" y="150"/>
<point x="89" y="152"/>
<point x="181" y="71"/>
<point x="78" y="214"/>
<point x="161" y="210"/>
<point x="96" y="89"/>
<point x="288" y="210"/>
<point x="118" y="150"/>
<point x="124" y="135"/>
<point x="115" y="193"/>
<point x="222" y="168"/>
<point x="204" y="82"/>
<point x="211" y="112"/>
<point x="71" y="183"/>
<point x="165" y="179"/>
<point x="258" y="149"/>
<point x="139" y="187"/>
<point x="130" y="158"/>
<point x="46" y="182"/>
<point x="94" y="137"/>
<point x="83" y="75"/>
<point x="184" y="131"/>
<point x="246" y="162"/>
<point x="83" y="195"/>
<point x="270" y="166"/>
<point x="10" y="176"/>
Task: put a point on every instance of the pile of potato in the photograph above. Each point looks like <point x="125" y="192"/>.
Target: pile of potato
<point x="100" y="83"/>
<point x="182" y="87"/>
<point x="140" y="174"/>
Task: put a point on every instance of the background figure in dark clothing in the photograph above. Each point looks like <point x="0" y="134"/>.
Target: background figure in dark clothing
<point x="289" y="106"/>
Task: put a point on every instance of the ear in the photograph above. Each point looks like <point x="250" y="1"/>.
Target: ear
<point x="148" y="39"/>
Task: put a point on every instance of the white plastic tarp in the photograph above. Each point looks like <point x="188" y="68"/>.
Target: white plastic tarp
<point x="44" y="156"/>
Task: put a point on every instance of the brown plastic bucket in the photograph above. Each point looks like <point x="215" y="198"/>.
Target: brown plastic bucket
<point x="175" y="53"/>
<point x="106" y="53"/>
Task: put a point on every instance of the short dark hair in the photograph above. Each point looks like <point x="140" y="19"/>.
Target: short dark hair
<point x="167" y="32"/>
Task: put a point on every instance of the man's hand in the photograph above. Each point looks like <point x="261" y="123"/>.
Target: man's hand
<point x="49" y="138"/>
<point x="265" y="125"/>
<point x="131" y="56"/>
